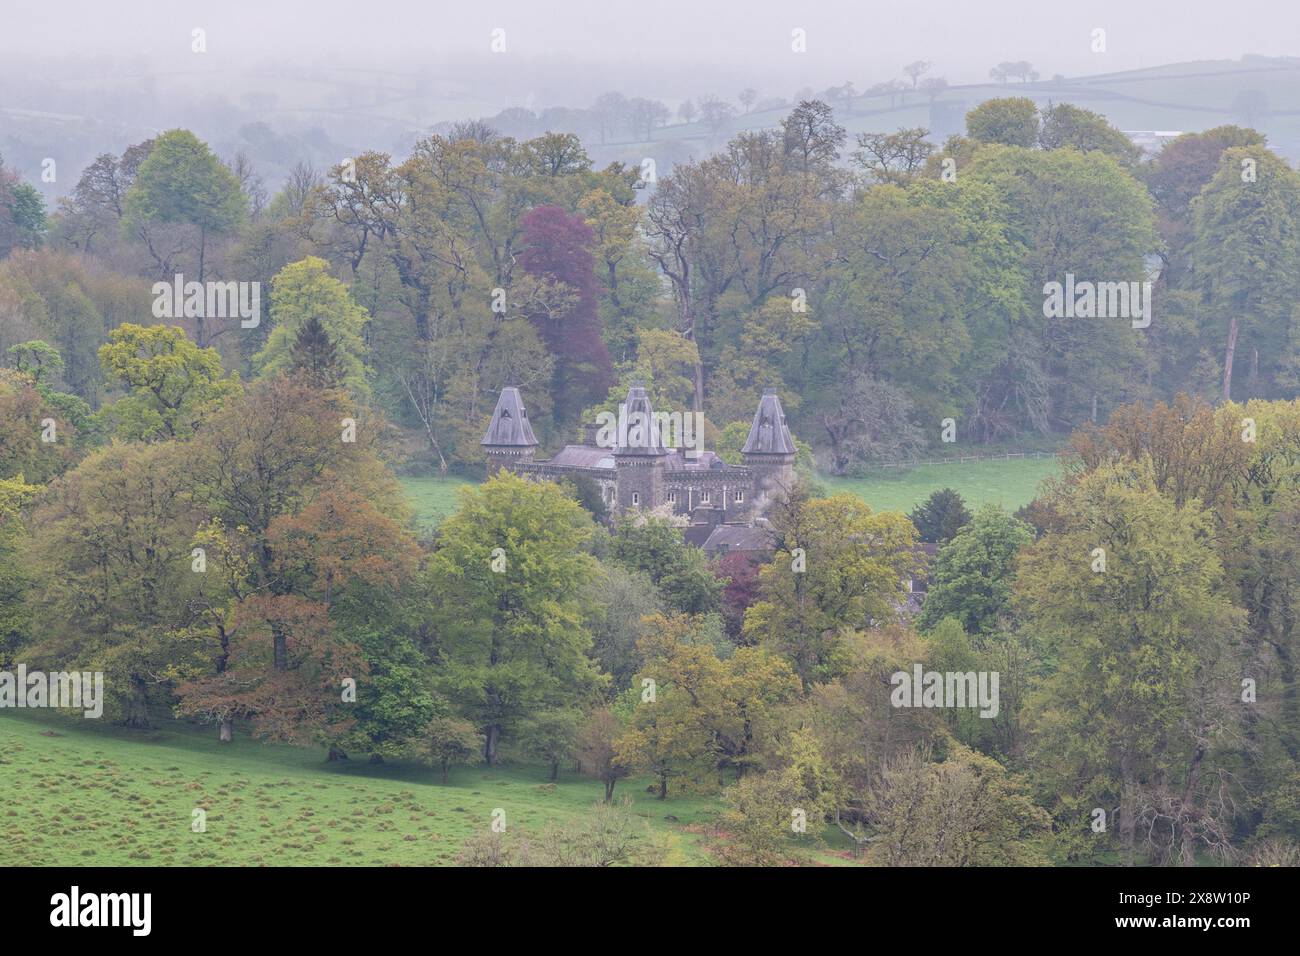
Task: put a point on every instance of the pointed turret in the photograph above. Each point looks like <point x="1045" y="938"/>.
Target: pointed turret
<point x="768" y="435"/>
<point x="640" y="458"/>
<point x="641" y="435"/>
<point x="769" y="452"/>
<point x="509" y="435"/>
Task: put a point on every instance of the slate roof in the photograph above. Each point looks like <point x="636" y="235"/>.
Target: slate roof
<point x="727" y="538"/>
<point x="509" y="426"/>
<point x="768" y="435"/>
<point x="583" y="456"/>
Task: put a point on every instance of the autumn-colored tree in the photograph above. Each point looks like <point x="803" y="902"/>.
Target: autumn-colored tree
<point x="29" y="447"/>
<point x="556" y="247"/>
<point x="740" y="571"/>
<point x="276" y="474"/>
<point x="597" y="752"/>
<point x="702" y="712"/>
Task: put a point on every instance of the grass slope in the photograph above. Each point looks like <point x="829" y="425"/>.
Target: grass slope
<point x="433" y="498"/>
<point x="1010" y="484"/>
<point x="78" y="792"/>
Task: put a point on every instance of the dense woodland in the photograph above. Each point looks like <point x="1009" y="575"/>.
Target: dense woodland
<point x="209" y="514"/>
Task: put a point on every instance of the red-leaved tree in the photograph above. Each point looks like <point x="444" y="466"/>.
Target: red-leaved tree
<point x="556" y="248"/>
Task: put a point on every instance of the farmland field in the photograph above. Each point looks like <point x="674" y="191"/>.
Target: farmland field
<point x="1011" y="484"/>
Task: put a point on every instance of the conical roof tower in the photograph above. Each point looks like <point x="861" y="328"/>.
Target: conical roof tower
<point x="768" y="435"/>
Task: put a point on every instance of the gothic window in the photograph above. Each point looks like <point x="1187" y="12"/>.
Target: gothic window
<point x="739" y="496"/>
<point x="636" y="499"/>
<point x="704" y="497"/>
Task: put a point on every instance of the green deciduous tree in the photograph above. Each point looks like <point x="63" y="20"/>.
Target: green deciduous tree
<point x="507" y="580"/>
<point x="172" y="382"/>
<point x="654" y="546"/>
<point x="1011" y="121"/>
<point x="304" y="292"/>
<point x="182" y="182"/>
<point x="1245" y="254"/>
<point x="838" y="566"/>
<point x="1139" y="702"/>
<point x="970" y="579"/>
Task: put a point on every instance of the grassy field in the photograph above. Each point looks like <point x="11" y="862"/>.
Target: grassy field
<point x="80" y="792"/>
<point x="100" y="795"/>
<point x="433" y="498"/>
<point x="1008" y="483"/>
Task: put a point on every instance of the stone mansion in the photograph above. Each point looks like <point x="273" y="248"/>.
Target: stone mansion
<point x="641" y="473"/>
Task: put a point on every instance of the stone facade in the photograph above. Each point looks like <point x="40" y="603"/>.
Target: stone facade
<point x="645" y="475"/>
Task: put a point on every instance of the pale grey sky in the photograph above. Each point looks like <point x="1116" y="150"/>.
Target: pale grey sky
<point x="651" y="43"/>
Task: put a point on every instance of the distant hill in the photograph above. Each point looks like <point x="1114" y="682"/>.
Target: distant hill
<point x="1263" y="92"/>
<point x="323" y="113"/>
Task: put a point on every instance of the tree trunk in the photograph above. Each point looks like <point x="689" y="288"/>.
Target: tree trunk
<point x="280" y="641"/>
<point x="444" y="771"/>
<point x="227" y="731"/>
<point x="201" y="338"/>
<point x="609" y="789"/>
<point x="490" y="745"/>
<point x="336" y="754"/>
<point x="1188" y="850"/>
<point x="1127" y="807"/>
<point x="698" y="396"/>
<point x="555" y="770"/>
<point x="663" y="788"/>
<point x="1233" y="328"/>
<point x="1290" y="698"/>
<point x="137" y="713"/>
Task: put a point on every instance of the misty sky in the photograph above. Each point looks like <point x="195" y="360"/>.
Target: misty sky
<point x="659" y="47"/>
